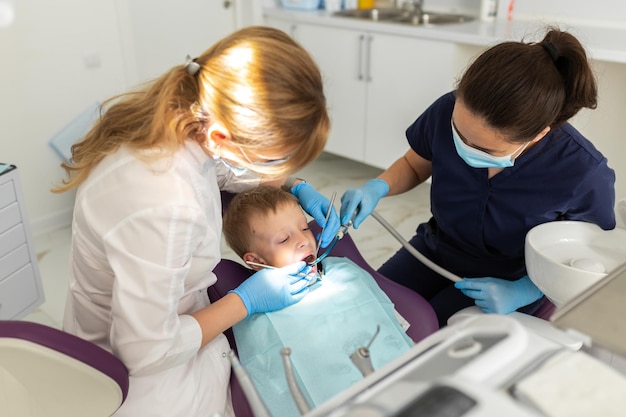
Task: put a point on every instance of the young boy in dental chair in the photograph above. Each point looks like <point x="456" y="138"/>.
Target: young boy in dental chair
<point x="340" y="313"/>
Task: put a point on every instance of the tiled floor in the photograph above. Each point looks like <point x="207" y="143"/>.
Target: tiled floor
<point x="329" y="173"/>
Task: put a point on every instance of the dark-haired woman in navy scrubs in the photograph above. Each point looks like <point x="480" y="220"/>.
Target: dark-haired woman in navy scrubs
<point x="503" y="159"/>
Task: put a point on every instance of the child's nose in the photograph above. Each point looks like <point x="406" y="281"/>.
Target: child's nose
<point x="303" y="240"/>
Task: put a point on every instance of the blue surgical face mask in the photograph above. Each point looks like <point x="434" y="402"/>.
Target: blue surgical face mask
<point x="480" y="159"/>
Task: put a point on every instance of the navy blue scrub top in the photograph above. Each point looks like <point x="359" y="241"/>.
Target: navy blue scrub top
<point x="479" y="225"/>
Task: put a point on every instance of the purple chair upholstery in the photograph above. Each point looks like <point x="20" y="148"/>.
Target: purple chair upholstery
<point x="545" y="310"/>
<point x="408" y="303"/>
<point x="62" y="375"/>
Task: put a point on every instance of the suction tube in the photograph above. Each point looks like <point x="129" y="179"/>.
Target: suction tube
<point x="441" y="271"/>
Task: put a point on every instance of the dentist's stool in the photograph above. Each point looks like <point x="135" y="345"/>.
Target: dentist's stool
<point x="45" y="372"/>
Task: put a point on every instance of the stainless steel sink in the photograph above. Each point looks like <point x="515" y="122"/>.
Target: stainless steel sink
<point x="407" y="17"/>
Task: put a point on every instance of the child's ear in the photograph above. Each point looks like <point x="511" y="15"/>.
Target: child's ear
<point x="253" y="257"/>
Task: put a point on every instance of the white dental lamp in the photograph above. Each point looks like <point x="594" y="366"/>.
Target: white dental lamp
<point x="7" y="13"/>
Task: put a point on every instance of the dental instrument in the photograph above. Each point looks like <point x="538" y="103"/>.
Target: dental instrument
<point x="342" y="231"/>
<point x="298" y="397"/>
<point x="252" y="395"/>
<point x="330" y="209"/>
<point x="317" y="276"/>
<point x="361" y="357"/>
<point x="441" y="271"/>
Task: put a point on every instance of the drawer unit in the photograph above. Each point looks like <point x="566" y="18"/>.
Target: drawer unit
<point x="12" y="239"/>
<point x="10" y="216"/>
<point x="7" y="194"/>
<point x="20" y="282"/>
<point x="13" y="261"/>
<point x="19" y="294"/>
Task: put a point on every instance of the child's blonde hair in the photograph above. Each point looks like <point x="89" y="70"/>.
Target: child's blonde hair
<point x="259" y="201"/>
<point x="262" y="86"/>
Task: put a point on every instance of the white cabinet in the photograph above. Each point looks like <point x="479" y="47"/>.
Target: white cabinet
<point x="405" y="75"/>
<point x="341" y="55"/>
<point x="376" y="85"/>
<point x="20" y="283"/>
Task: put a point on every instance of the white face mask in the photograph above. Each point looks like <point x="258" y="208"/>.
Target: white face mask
<point x="237" y="171"/>
<point x="479" y="159"/>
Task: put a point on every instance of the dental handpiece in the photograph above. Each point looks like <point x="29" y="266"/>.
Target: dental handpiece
<point x="252" y="395"/>
<point x="296" y="393"/>
<point x="344" y="227"/>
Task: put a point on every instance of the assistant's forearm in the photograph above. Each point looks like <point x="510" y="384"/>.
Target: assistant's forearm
<point x="405" y="173"/>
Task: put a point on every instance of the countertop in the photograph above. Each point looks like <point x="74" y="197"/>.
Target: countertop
<point x="602" y="43"/>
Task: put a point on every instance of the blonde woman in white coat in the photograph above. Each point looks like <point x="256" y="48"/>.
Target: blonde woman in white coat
<point x="147" y="220"/>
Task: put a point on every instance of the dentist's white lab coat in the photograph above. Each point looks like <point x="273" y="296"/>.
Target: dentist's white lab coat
<point x="145" y="240"/>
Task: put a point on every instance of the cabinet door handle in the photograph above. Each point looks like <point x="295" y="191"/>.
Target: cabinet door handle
<point x="368" y="65"/>
<point x="227" y="4"/>
<point x="360" y="66"/>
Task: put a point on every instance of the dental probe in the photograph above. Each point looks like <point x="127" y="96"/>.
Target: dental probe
<point x="300" y="274"/>
<point x="441" y="271"/>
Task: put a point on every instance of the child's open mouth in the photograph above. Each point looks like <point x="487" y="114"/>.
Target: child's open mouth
<point x="310" y="259"/>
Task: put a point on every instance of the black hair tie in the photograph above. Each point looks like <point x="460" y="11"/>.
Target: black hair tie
<point x="549" y="46"/>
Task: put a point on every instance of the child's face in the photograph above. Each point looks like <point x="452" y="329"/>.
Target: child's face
<point x="280" y="238"/>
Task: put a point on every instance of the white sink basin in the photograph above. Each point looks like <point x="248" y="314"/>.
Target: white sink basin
<point x="565" y="258"/>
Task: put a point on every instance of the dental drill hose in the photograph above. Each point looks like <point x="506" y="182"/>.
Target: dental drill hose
<point x="441" y="271"/>
<point x="254" y="400"/>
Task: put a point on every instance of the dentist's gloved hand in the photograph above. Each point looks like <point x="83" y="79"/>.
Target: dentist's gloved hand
<point x="273" y="289"/>
<point x="363" y="199"/>
<point x="317" y="206"/>
<point x="495" y="295"/>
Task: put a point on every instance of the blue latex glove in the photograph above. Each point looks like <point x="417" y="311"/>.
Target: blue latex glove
<point x="274" y="289"/>
<point x="495" y="295"/>
<point x="317" y="206"/>
<point x="363" y="199"/>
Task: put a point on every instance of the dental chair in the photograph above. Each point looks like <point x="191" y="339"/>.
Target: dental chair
<point x="45" y="372"/>
<point x="410" y="305"/>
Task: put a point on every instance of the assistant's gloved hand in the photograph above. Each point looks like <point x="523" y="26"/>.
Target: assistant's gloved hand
<point x="496" y="295"/>
<point x="273" y="289"/>
<point x="363" y="199"/>
<point x="317" y="206"/>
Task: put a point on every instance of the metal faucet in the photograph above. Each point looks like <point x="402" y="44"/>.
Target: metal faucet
<point x="413" y="6"/>
<point x="418" y="6"/>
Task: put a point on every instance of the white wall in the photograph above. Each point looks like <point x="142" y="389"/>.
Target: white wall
<point x="604" y="12"/>
<point x="604" y="126"/>
<point x="45" y="82"/>
<point x="164" y="32"/>
<point x="48" y="75"/>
